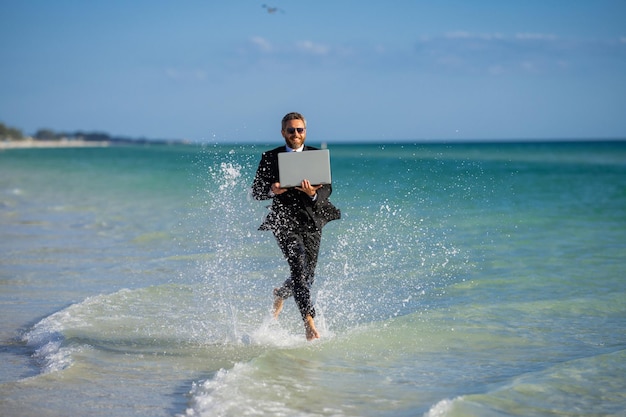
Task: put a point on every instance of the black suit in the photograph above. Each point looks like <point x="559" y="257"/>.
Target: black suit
<point x="296" y="221"/>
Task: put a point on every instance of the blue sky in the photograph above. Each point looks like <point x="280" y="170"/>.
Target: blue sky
<point x="227" y="71"/>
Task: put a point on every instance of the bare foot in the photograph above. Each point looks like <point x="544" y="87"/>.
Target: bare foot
<point x="309" y="328"/>
<point x="278" y="304"/>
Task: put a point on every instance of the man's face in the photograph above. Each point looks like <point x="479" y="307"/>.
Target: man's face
<point x="293" y="138"/>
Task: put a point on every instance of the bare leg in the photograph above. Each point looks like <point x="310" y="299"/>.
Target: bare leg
<point x="278" y="304"/>
<point x="309" y="328"/>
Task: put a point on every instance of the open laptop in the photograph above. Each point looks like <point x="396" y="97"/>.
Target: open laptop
<point x="293" y="167"/>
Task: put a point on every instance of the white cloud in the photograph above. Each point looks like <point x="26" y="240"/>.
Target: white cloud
<point x="311" y="47"/>
<point x="469" y="35"/>
<point x="536" y="36"/>
<point x="499" y="54"/>
<point x="495" y="53"/>
<point x="262" y="44"/>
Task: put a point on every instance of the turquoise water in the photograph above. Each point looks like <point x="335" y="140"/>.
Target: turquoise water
<point x="462" y="280"/>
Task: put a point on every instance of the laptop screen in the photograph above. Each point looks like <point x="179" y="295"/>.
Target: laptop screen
<point x="293" y="167"/>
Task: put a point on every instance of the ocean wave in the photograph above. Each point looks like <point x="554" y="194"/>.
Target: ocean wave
<point x="227" y="393"/>
<point x="48" y="337"/>
<point x="173" y="320"/>
<point x="441" y="409"/>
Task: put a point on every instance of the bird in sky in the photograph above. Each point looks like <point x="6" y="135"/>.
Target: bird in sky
<point x="272" y="10"/>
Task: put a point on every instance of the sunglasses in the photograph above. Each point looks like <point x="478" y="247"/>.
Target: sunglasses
<point x="292" y="130"/>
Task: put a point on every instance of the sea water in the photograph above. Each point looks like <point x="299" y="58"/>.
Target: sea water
<point x="462" y="280"/>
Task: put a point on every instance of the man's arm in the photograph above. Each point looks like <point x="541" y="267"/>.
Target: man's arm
<point x="261" y="186"/>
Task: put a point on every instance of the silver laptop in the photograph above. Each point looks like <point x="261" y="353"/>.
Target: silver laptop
<point x="293" y="167"/>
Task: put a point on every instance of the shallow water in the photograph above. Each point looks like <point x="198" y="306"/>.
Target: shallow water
<point x="478" y="279"/>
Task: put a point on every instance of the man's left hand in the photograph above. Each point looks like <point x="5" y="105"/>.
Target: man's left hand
<point x="309" y="189"/>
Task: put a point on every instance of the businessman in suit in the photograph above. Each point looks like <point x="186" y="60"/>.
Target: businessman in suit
<point x="296" y="218"/>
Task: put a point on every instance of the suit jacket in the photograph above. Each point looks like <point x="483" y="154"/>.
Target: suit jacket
<point x="292" y="209"/>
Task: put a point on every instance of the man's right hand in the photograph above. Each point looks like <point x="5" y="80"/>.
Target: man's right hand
<point x="276" y="189"/>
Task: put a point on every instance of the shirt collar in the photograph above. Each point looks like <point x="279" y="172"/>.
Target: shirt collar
<point x="300" y="149"/>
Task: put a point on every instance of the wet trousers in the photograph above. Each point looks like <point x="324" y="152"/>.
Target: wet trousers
<point x="300" y="249"/>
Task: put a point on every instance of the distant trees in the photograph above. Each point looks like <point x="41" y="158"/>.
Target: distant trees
<point x="11" y="133"/>
<point x="48" y="134"/>
<point x="45" y="134"/>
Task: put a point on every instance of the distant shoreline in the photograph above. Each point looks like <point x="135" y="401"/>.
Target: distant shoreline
<point x="30" y="143"/>
<point x="61" y="143"/>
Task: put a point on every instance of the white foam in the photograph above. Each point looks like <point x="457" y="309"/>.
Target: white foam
<point x="47" y="336"/>
<point x="47" y="339"/>
<point x="54" y="357"/>
<point x="442" y="408"/>
<point x="232" y="392"/>
<point x="272" y="333"/>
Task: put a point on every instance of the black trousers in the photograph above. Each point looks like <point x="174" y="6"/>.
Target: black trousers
<point x="300" y="249"/>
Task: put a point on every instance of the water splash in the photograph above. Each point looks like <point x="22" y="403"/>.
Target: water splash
<point x="233" y="293"/>
<point x="379" y="261"/>
<point x="230" y="173"/>
<point x="392" y="264"/>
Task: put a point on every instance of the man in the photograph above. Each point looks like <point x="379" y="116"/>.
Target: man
<point x="296" y="218"/>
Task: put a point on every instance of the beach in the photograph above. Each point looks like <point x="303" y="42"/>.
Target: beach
<point x="62" y="143"/>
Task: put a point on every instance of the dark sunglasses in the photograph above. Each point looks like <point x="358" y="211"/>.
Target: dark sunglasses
<point x="292" y="130"/>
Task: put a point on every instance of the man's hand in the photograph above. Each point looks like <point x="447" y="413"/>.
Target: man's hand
<point x="309" y="189"/>
<point x="276" y="189"/>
